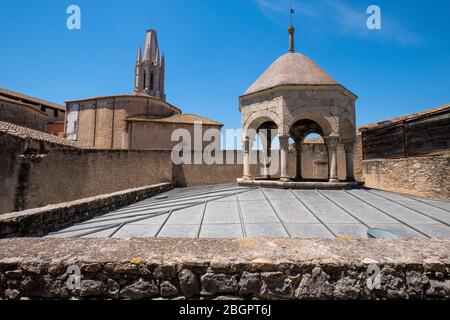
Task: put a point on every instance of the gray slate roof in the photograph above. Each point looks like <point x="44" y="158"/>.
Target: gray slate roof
<point x="230" y="211"/>
<point x="291" y="69"/>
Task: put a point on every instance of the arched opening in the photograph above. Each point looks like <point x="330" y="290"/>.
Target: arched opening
<point x="259" y="134"/>
<point x="265" y="136"/>
<point x="144" y="83"/>
<point x="311" y="154"/>
<point x="151" y="81"/>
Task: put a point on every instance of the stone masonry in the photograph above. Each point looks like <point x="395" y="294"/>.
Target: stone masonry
<point x="422" y="176"/>
<point x="224" y="269"/>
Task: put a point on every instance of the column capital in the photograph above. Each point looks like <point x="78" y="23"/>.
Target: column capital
<point x="332" y="140"/>
<point x="246" y="144"/>
<point x="284" y="140"/>
<point x="284" y="149"/>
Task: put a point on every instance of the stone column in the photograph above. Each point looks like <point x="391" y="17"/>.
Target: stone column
<point x="348" y="147"/>
<point x="246" y="160"/>
<point x="266" y="139"/>
<point x="298" y="159"/>
<point x="332" y="145"/>
<point x="284" y="150"/>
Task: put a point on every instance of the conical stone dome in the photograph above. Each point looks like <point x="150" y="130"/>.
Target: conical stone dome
<point x="291" y="69"/>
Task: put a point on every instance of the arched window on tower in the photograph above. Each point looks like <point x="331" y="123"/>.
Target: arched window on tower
<point x="145" y="80"/>
<point x="151" y="81"/>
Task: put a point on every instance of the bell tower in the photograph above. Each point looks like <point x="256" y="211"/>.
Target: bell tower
<point x="150" y="68"/>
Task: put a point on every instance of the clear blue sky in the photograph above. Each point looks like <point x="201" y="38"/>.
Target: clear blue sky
<point x="216" y="49"/>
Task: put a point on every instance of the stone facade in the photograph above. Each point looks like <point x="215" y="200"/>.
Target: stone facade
<point x="421" y="176"/>
<point x="102" y="122"/>
<point x="145" y="269"/>
<point x="134" y="122"/>
<point x="56" y="128"/>
<point x="156" y="134"/>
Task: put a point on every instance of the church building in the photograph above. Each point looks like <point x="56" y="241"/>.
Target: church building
<point x="142" y="120"/>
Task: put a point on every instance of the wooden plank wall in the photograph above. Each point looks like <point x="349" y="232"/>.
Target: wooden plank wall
<point x="426" y="135"/>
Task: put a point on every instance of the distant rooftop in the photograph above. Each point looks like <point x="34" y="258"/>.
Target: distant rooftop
<point x="179" y="119"/>
<point x="28" y="100"/>
<point x="407" y="117"/>
<point x="20" y="103"/>
<point x="125" y="95"/>
<point x="26" y="133"/>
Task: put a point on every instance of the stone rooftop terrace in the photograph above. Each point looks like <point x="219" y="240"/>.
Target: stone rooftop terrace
<point x="229" y="211"/>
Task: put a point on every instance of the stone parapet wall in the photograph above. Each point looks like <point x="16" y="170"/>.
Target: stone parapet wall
<point x="314" y="166"/>
<point x="224" y="269"/>
<point x="41" y="221"/>
<point x="421" y="176"/>
<point x="63" y="175"/>
<point x="204" y="174"/>
<point x="10" y="148"/>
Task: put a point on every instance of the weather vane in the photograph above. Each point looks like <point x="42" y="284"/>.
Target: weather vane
<point x="292" y="13"/>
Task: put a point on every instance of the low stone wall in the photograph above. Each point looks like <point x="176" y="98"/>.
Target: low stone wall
<point x="40" y="221"/>
<point x="38" y="178"/>
<point x="63" y="175"/>
<point x="185" y="175"/>
<point x="314" y="166"/>
<point x="10" y="149"/>
<point x="422" y="176"/>
<point x="224" y="269"/>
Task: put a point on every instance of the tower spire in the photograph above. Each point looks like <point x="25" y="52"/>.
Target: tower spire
<point x="149" y="71"/>
<point x="291" y="34"/>
<point x="139" y="56"/>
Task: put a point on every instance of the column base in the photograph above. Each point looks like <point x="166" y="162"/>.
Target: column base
<point x="350" y="180"/>
<point x="333" y="180"/>
<point x="266" y="177"/>
<point x="285" y="179"/>
<point x="247" y="178"/>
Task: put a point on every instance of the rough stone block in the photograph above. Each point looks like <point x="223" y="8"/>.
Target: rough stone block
<point x="219" y="283"/>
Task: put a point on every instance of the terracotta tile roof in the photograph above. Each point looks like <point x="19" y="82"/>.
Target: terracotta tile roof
<point x="404" y="118"/>
<point x="180" y="119"/>
<point x="26" y="133"/>
<point x="30" y="100"/>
